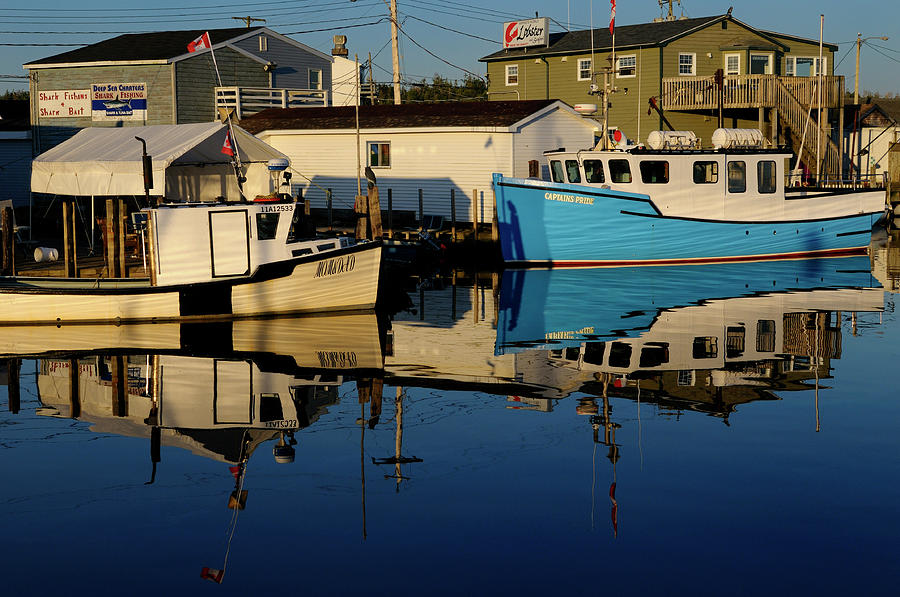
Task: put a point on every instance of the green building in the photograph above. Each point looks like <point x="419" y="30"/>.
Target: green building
<point x="770" y="80"/>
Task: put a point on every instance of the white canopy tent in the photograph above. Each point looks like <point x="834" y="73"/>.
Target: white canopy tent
<point x="188" y="163"/>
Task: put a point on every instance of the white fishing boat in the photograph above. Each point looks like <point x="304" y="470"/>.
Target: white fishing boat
<point x="213" y="249"/>
<point x="674" y="203"/>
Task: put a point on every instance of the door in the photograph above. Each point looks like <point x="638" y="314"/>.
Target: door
<point x="230" y="243"/>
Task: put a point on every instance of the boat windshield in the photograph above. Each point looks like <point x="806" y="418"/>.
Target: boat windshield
<point x="593" y="171"/>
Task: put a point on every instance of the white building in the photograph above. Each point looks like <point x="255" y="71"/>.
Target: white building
<point x="433" y="148"/>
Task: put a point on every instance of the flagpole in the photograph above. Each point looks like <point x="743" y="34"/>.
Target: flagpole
<point x="236" y="158"/>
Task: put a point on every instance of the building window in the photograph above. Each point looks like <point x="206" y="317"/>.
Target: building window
<point x="263" y="43"/>
<point x="732" y="64"/>
<point x="735" y="337"/>
<point x="512" y="74"/>
<point x="803" y="66"/>
<point x="379" y="154"/>
<point x="760" y="64"/>
<point x="686" y="64"/>
<point x="765" y="175"/>
<point x="593" y="171"/>
<point x="626" y="66"/>
<point x="654" y="172"/>
<point x="572" y="171"/>
<point x="619" y="171"/>
<point x="584" y="69"/>
<point x="315" y="79"/>
<point x="737" y="177"/>
<point x="706" y="172"/>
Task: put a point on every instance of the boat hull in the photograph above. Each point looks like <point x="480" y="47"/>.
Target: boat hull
<point x="339" y="280"/>
<point x="542" y="223"/>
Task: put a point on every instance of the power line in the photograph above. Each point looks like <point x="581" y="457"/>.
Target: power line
<point x="493" y="41"/>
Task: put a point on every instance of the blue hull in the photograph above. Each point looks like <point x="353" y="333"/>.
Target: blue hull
<point x="564" y="307"/>
<point x="542" y="223"/>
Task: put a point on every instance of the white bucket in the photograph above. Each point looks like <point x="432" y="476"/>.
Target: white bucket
<point x="42" y="254"/>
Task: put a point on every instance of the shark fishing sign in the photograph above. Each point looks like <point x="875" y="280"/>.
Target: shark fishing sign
<point x="118" y="101"/>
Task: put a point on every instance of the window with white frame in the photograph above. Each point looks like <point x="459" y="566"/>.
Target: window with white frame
<point x="732" y="64"/>
<point x="760" y="64"/>
<point x="379" y="154"/>
<point x="315" y="78"/>
<point x="263" y="43"/>
<point x="803" y="66"/>
<point x="512" y="74"/>
<point x="626" y="66"/>
<point x="687" y="64"/>
<point x="584" y="69"/>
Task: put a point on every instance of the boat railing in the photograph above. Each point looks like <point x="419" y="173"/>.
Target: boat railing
<point x="246" y="101"/>
<point x="862" y="181"/>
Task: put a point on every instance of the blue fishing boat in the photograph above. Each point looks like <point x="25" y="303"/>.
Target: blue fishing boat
<point x="674" y="203"/>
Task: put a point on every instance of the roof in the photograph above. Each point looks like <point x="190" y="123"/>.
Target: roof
<point x="132" y="47"/>
<point x="442" y="114"/>
<point x="107" y="161"/>
<point x="627" y="36"/>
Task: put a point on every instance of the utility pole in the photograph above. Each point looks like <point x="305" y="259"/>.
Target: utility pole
<point x="395" y="52"/>
<point x="859" y="43"/>
<point x="248" y="20"/>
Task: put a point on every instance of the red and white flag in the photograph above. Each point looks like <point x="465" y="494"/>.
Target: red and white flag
<point x="612" y="17"/>
<point x="227" y="149"/>
<point x="212" y="574"/>
<point x="201" y="43"/>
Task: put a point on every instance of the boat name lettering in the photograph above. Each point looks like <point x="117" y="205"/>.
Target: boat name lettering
<point x="330" y="359"/>
<point x="568" y="335"/>
<point x="335" y="265"/>
<point x="270" y="208"/>
<point x="285" y="424"/>
<point x="568" y="198"/>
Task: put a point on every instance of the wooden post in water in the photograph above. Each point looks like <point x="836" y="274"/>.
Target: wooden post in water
<point x="475" y="216"/>
<point x="362" y="221"/>
<point x="373" y="205"/>
<point x="12" y="388"/>
<point x="330" y="211"/>
<point x="120" y="227"/>
<point x="111" y="239"/>
<point x="7" y="246"/>
<point x="421" y="211"/>
<point x="390" y="214"/>
<point x="74" y="390"/>
<point x="453" y="215"/>
<point x="495" y="232"/>
<point x="119" y="373"/>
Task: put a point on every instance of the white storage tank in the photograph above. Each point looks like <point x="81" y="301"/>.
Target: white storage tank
<point x="672" y="140"/>
<point x="737" y="138"/>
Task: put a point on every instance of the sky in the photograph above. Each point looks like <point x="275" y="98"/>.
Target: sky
<point x="443" y="37"/>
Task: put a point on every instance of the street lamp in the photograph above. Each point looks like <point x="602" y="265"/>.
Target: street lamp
<point x="859" y="42"/>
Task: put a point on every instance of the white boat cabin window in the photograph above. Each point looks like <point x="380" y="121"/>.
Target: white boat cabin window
<point x="626" y="66"/>
<point x="619" y="171"/>
<point x="706" y="347"/>
<point x="619" y="354"/>
<point x="654" y="171"/>
<point x="266" y="225"/>
<point x="765" y="335"/>
<point x="556" y="171"/>
<point x="379" y="154"/>
<point x="572" y="171"/>
<point x="737" y="176"/>
<point x="706" y="172"/>
<point x="593" y="352"/>
<point x="584" y="69"/>
<point x="766" y="177"/>
<point x="512" y="74"/>
<point x="654" y="355"/>
<point x="593" y="171"/>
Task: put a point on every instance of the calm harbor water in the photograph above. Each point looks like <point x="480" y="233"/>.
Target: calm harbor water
<point x="708" y="430"/>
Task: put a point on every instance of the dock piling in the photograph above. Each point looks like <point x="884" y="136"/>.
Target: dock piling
<point x="453" y="215"/>
<point x="7" y="246"/>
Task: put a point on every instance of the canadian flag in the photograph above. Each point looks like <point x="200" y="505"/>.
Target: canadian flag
<point x="202" y="43"/>
<point x="212" y="574"/>
<point x="612" y="17"/>
<point x="227" y="149"/>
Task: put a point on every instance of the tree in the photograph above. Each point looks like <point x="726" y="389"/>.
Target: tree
<point x="438" y="90"/>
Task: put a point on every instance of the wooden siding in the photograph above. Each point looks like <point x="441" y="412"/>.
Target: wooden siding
<point x="549" y="131"/>
<point x="195" y="79"/>
<point x="292" y="63"/>
<point x="49" y="132"/>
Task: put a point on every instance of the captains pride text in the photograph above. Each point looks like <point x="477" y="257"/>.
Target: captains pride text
<point x="335" y="265"/>
<point x="568" y="198"/>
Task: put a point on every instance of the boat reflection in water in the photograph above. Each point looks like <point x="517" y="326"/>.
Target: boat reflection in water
<point x="217" y="390"/>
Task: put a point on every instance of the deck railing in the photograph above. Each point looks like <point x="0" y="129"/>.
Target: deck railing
<point x="748" y="91"/>
<point x="247" y="101"/>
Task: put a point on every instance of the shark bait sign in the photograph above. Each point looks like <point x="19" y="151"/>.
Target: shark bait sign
<point x="523" y="34"/>
<point x="119" y="101"/>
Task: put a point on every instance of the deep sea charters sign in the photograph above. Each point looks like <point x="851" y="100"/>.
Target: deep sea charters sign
<point x="118" y="101"/>
<point x="523" y="34"/>
<point x="64" y="103"/>
<point x="335" y="265"/>
<point x="567" y="198"/>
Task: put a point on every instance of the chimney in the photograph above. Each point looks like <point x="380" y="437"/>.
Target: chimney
<point x="340" y="46"/>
